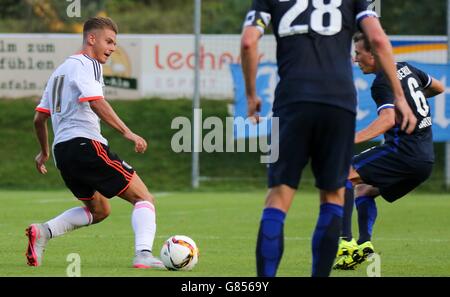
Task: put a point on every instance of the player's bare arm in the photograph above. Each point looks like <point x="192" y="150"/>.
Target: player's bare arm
<point x="249" y="56"/>
<point x="107" y="114"/>
<point x="382" y="51"/>
<point x="384" y="122"/>
<point x="434" y="89"/>
<point x="40" y="127"/>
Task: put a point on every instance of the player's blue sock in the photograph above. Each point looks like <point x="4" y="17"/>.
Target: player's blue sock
<point x="348" y="210"/>
<point x="270" y="244"/>
<point x="325" y="238"/>
<point x="367" y="213"/>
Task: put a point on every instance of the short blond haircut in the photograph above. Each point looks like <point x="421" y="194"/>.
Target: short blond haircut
<point x="98" y="23"/>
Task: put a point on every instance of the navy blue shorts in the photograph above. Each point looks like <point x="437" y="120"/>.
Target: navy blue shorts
<point x="87" y="166"/>
<point x="394" y="174"/>
<point x="320" y="132"/>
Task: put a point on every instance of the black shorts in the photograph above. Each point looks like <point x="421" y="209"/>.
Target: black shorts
<point x="394" y="174"/>
<point x="87" y="166"/>
<point x="324" y="133"/>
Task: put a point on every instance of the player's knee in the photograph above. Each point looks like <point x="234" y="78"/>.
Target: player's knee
<point x="280" y="197"/>
<point x="98" y="217"/>
<point x="148" y="197"/>
<point x="360" y="190"/>
<point x="100" y="214"/>
<point x="365" y="190"/>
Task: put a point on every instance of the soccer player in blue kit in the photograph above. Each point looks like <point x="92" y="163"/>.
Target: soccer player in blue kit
<point x="395" y="167"/>
<point x="315" y="102"/>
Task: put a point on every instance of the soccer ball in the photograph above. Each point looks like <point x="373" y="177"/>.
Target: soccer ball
<point x="179" y="252"/>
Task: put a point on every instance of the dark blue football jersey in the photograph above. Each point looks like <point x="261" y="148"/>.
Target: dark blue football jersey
<point x="419" y="144"/>
<point x="313" y="47"/>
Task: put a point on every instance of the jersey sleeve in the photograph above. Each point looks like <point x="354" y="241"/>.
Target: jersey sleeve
<point x="363" y="10"/>
<point x="382" y="94"/>
<point x="87" y="81"/>
<point x="44" y="104"/>
<point x="102" y="82"/>
<point x="259" y="15"/>
<point x="425" y="78"/>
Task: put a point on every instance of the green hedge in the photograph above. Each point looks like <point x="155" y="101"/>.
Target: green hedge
<point x="160" y="167"/>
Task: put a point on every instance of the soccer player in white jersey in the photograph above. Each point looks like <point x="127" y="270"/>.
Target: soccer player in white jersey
<point x="73" y="99"/>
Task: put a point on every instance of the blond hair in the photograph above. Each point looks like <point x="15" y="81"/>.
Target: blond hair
<point x="98" y="23"/>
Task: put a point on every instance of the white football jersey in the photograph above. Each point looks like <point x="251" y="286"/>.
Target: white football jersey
<point x="66" y="99"/>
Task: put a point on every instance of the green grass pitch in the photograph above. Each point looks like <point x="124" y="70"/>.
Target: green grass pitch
<point x="411" y="235"/>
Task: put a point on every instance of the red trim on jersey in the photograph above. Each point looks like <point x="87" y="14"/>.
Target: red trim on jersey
<point x="84" y="99"/>
<point x="43" y="110"/>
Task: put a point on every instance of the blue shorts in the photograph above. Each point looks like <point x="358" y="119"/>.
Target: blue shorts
<point x="320" y="132"/>
<point x="393" y="173"/>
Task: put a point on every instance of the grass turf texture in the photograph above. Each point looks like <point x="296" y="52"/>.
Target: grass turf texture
<point x="411" y="235"/>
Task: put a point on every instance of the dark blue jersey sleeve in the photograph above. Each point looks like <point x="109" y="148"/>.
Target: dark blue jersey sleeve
<point x="425" y="79"/>
<point x="363" y="11"/>
<point x="261" y="5"/>
<point x="382" y="93"/>
<point x="259" y="15"/>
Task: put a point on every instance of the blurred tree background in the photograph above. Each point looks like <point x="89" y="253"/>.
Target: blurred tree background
<point x="176" y="16"/>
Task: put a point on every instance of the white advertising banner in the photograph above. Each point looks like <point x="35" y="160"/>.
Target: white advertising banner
<point x="28" y="60"/>
<point x="169" y="70"/>
<point x="158" y="65"/>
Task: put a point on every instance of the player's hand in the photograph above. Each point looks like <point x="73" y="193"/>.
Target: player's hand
<point x="140" y="145"/>
<point x="407" y="117"/>
<point x="253" y="108"/>
<point x="40" y="162"/>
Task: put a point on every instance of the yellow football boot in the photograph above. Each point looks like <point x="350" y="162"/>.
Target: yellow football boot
<point x="346" y="247"/>
<point x="364" y="250"/>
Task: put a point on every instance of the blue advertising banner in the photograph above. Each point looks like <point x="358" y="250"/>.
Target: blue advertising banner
<point x="267" y="79"/>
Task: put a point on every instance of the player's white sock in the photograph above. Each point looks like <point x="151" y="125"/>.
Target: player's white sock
<point x="143" y="220"/>
<point x="69" y="220"/>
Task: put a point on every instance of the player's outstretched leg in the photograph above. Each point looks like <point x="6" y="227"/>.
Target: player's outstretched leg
<point x="39" y="234"/>
<point x="325" y="239"/>
<point x="270" y="242"/>
<point x="143" y="220"/>
<point x="348" y="210"/>
<point x="70" y="220"/>
<point x="367" y="214"/>
<point x="347" y="244"/>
